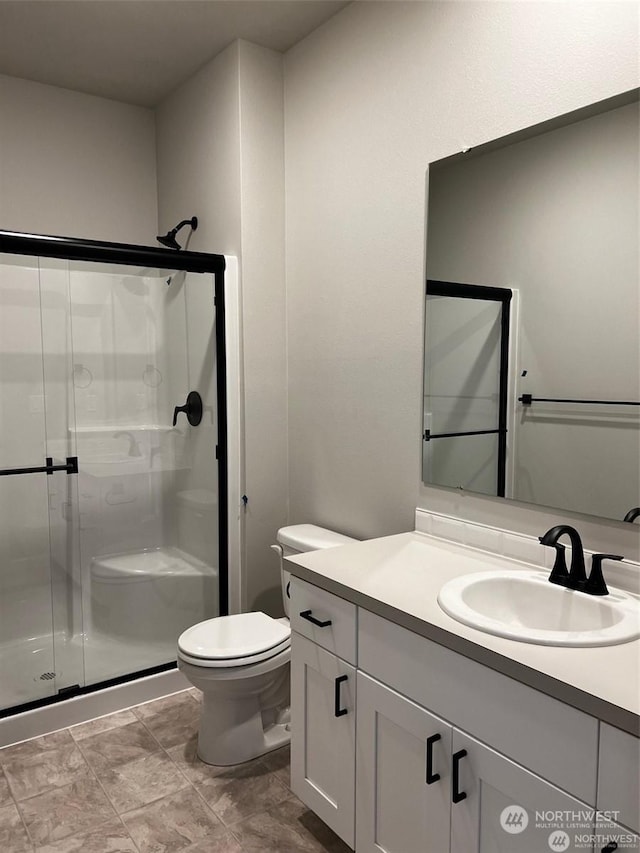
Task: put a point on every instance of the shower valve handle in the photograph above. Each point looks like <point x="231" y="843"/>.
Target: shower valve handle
<point x="192" y="409"/>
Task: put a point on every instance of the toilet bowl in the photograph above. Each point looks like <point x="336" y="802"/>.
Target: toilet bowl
<point x="241" y="665"/>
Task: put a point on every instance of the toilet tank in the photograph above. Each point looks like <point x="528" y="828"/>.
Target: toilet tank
<point x="298" y="539"/>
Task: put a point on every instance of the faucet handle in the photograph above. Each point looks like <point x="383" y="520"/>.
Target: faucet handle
<point x="192" y="409"/>
<point x="595" y="584"/>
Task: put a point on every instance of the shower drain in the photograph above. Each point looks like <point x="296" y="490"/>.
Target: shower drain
<point x="46" y="676"/>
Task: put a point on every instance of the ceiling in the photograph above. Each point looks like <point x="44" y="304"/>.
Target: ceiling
<point x="138" y="51"/>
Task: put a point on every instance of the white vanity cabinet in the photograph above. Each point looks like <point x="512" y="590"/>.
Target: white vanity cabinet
<point x="403" y="771"/>
<point x="448" y="755"/>
<point x="423" y="786"/>
<point x="323" y="705"/>
<point x="500" y="807"/>
<point x="609" y="834"/>
<point x="619" y="776"/>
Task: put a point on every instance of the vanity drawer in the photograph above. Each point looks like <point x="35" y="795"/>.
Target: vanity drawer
<point x="336" y="632"/>
<point x="619" y="776"/>
<point x="536" y="731"/>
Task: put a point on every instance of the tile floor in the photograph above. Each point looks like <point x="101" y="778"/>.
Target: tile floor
<point x="131" y="783"/>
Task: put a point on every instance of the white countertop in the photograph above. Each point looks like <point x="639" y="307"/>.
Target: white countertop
<point x="398" y="577"/>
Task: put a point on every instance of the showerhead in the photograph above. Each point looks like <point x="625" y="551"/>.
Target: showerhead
<point x="169" y="239"/>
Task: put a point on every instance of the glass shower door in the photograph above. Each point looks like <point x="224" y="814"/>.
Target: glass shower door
<point x="142" y="340"/>
<point x="109" y="516"/>
<point x="27" y="649"/>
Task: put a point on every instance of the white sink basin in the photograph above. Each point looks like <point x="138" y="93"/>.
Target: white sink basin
<point x="522" y="605"/>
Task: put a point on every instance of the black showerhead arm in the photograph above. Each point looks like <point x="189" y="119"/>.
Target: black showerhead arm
<point x="169" y="239"/>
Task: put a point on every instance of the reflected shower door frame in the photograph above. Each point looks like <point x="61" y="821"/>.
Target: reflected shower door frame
<point x="503" y="299"/>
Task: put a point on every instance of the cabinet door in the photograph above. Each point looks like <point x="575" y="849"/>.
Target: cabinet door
<point x="499" y="807"/>
<point x="323" y="729"/>
<point x="619" y="776"/>
<point x="612" y="836"/>
<point x="403" y="774"/>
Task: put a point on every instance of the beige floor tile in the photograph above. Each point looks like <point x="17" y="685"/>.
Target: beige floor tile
<point x="288" y="827"/>
<point x="111" y="837"/>
<point x="102" y="724"/>
<point x="240" y="791"/>
<point x="66" y="811"/>
<point x="13" y="835"/>
<point x="173" y="823"/>
<point x="52" y="762"/>
<point x="279" y="762"/>
<point x="32" y="747"/>
<point x="137" y="783"/>
<point x="223" y="844"/>
<point x="172" y="720"/>
<point x="118" y="746"/>
<point x="5" y="793"/>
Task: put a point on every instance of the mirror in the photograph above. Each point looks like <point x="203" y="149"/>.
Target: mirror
<point x="532" y="322"/>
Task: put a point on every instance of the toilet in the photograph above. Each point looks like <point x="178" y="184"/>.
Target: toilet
<point x="241" y="665"/>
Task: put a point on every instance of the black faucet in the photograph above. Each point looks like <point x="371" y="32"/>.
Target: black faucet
<point x="576" y="577"/>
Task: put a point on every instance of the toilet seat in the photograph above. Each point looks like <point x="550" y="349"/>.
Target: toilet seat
<point x="237" y="640"/>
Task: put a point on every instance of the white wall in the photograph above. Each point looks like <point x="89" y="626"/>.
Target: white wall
<point x="198" y="157"/>
<point x="371" y="98"/>
<point x="263" y="318"/>
<point x="220" y="157"/>
<point x="75" y="165"/>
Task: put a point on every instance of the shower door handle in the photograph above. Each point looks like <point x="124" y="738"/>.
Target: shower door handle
<point x="70" y="466"/>
<point x="192" y="409"/>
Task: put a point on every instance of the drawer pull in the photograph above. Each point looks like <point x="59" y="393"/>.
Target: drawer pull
<point x="611" y="846"/>
<point x="306" y="614"/>
<point x="339" y="712"/>
<point x="431" y="776"/>
<point x="456" y="794"/>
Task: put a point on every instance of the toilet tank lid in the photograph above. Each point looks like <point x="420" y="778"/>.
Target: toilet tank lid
<point x="310" y="537"/>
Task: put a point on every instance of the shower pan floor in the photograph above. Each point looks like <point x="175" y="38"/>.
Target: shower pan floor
<point x="38" y="667"/>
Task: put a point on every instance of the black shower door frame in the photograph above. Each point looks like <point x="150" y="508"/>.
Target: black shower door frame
<point x="77" y="249"/>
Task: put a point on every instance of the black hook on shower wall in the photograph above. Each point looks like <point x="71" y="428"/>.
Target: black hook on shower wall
<point x="169" y="239"/>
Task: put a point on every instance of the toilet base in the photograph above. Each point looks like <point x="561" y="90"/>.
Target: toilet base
<point x="234" y="732"/>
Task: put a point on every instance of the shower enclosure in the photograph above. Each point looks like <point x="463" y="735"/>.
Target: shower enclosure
<point x="113" y="531"/>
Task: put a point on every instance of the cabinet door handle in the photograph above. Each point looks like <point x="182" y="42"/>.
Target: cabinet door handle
<point x="339" y="712"/>
<point x="431" y="776"/>
<point x="611" y="846"/>
<point x="456" y="794"/>
<point x="306" y="614"/>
